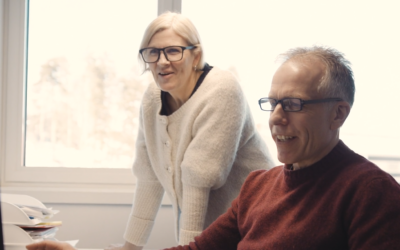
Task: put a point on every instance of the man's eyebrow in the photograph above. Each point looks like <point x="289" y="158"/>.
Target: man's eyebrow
<point x="284" y="97"/>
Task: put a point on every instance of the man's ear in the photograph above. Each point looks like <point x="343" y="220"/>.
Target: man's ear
<point x="340" y="111"/>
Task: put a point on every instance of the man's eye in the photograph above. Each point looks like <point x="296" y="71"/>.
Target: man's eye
<point x="273" y="104"/>
<point x="292" y="104"/>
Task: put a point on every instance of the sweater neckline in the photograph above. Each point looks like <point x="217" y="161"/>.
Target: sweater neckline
<point x="163" y="95"/>
<point x="295" y="177"/>
<point x="182" y="110"/>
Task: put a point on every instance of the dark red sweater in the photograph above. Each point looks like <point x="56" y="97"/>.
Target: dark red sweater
<point x="341" y="202"/>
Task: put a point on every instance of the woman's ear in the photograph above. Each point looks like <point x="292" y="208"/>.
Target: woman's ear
<point x="340" y="111"/>
<point x="197" y="56"/>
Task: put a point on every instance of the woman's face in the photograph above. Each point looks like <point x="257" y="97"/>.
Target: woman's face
<point x="176" y="78"/>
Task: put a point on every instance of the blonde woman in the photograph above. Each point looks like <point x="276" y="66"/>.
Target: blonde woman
<point x="197" y="141"/>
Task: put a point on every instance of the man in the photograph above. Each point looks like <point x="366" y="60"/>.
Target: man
<point x="325" y="196"/>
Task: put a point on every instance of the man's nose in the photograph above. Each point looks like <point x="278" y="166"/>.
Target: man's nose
<point x="278" y="116"/>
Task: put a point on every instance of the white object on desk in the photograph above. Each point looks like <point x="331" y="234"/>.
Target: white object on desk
<point x="15" y="238"/>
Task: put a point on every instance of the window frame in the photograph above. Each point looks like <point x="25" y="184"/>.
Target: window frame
<point x="91" y="186"/>
<point x="63" y="185"/>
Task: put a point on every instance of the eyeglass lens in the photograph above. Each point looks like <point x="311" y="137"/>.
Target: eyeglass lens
<point x="171" y="53"/>
<point x="289" y="104"/>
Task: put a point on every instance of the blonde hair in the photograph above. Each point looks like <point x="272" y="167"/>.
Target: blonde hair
<point x="181" y="25"/>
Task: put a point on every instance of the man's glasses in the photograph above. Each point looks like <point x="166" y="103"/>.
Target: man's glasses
<point x="290" y="104"/>
<point x="171" y="53"/>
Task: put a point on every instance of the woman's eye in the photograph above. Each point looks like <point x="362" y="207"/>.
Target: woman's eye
<point x="153" y="52"/>
<point x="173" y="51"/>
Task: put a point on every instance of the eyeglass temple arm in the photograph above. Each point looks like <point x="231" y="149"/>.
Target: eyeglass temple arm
<point x="321" y="100"/>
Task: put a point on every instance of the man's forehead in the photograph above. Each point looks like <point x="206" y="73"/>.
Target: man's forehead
<point x="305" y="65"/>
<point x="298" y="78"/>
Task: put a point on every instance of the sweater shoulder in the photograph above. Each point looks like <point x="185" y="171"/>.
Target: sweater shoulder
<point x="221" y="81"/>
<point x="259" y="182"/>
<point x="257" y="177"/>
<point x="151" y="96"/>
<point x="364" y="170"/>
<point x="220" y="94"/>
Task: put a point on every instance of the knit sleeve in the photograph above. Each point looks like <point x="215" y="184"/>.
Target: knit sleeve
<point x="374" y="219"/>
<point x="194" y="208"/>
<point x="147" y="197"/>
<point x="222" y="234"/>
<point x="217" y="132"/>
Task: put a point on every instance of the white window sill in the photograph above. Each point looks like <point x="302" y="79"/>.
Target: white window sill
<point x="78" y="195"/>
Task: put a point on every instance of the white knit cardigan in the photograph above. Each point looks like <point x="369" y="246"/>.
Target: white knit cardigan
<point x="200" y="155"/>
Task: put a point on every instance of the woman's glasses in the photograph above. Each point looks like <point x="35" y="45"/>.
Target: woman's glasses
<point x="171" y="53"/>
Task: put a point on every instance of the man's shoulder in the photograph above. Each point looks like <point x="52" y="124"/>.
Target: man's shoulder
<point x="260" y="182"/>
<point x="262" y="175"/>
<point x="363" y="169"/>
<point x="357" y="173"/>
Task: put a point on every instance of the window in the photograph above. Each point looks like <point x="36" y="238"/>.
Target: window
<point x="84" y="85"/>
<point x="246" y="37"/>
<point x="364" y="32"/>
<point x="66" y="64"/>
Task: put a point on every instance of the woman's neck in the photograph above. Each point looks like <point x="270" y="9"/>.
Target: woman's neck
<point x="175" y="101"/>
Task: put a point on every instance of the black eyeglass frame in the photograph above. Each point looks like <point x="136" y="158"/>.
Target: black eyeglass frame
<point x="165" y="54"/>
<point x="302" y="102"/>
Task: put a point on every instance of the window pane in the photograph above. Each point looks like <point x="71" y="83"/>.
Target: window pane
<point x="84" y="84"/>
<point x="255" y="32"/>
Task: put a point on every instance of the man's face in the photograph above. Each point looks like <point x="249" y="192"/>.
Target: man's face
<point x="304" y="137"/>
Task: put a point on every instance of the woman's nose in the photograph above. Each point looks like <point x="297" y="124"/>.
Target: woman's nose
<point x="163" y="58"/>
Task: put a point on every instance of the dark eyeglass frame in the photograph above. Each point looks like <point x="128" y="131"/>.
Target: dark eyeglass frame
<point x="302" y="102"/>
<point x="165" y="54"/>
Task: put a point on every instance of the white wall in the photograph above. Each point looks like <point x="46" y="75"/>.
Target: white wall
<point x="97" y="226"/>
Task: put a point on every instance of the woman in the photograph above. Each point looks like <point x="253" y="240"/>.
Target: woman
<point x="196" y="141"/>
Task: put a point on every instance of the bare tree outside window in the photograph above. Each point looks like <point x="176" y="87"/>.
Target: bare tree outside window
<point x="96" y="115"/>
<point x="84" y="84"/>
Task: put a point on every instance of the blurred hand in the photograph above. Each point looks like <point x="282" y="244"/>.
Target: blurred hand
<point x="50" y="245"/>
<point x="126" y="246"/>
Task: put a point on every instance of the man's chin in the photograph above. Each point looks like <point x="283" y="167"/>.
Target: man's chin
<point x="286" y="160"/>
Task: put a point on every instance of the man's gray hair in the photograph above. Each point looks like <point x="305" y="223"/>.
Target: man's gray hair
<point x="338" y="80"/>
